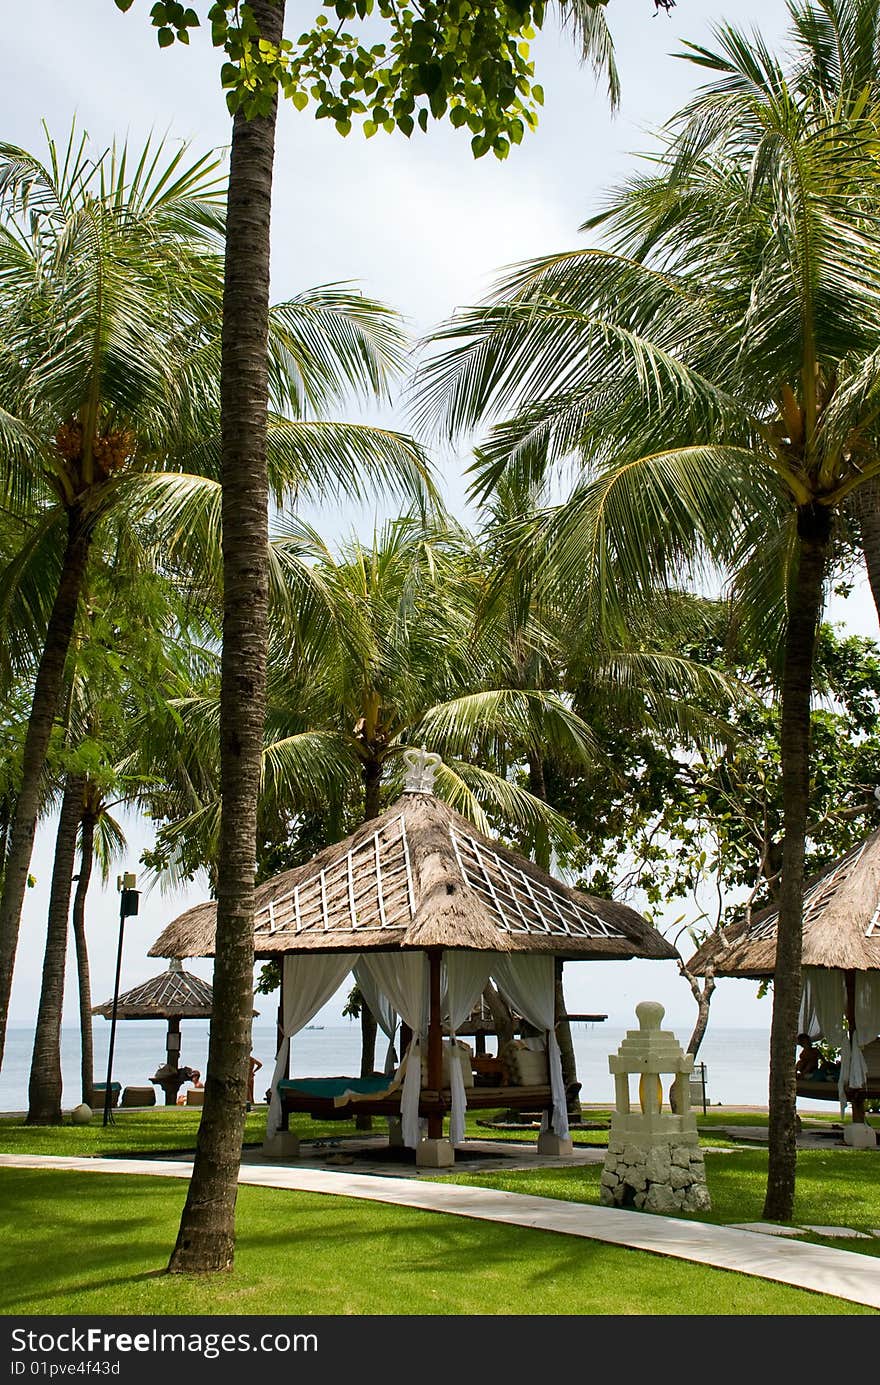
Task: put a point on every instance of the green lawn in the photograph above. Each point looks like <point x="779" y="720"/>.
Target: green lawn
<point x="161" y="1129"/>
<point x="154" y="1130"/>
<point x="97" y="1244"/>
<point x="125" y="1252"/>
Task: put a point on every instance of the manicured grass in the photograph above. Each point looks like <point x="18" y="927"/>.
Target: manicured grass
<point x="156" y="1130"/>
<point x="162" y="1129"/>
<point x="97" y="1244"/>
<point x="834" y="1188"/>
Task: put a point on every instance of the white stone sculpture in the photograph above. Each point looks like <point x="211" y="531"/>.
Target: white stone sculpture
<point x="654" y="1160"/>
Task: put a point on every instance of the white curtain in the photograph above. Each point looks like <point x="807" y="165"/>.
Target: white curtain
<point x="528" y="982"/>
<point x="403" y="978"/>
<point x="867" y="1019"/>
<point x="382" y="1010"/>
<point x="309" y="979"/>
<point x="824" y="1002"/>
<point x="463" y="976"/>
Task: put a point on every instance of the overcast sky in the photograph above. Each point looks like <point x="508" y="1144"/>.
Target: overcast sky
<point x="417" y="223"/>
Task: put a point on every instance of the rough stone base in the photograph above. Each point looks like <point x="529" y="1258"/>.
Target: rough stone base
<point x="549" y="1143"/>
<point x="282" y="1145"/>
<point x="860" y="1136"/>
<point x="434" y="1154"/>
<point x="666" y="1177"/>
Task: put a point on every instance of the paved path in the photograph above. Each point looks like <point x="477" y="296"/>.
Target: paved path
<point x="821" y="1268"/>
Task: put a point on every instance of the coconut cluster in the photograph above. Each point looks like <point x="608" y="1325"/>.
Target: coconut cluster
<point x="110" y="450"/>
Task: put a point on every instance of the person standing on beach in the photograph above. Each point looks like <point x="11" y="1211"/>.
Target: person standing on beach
<point x="254" y="1069"/>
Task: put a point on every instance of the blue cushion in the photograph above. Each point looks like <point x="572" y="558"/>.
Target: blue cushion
<point x="334" y="1086"/>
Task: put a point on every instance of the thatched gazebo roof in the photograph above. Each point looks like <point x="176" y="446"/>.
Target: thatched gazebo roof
<point x="174" y="994"/>
<point x="421" y="876"/>
<point x="841" y="923"/>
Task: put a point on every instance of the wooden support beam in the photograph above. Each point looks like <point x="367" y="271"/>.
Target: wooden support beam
<point x="435" y="1040"/>
<point x="856" y="1096"/>
<point x="284" y="1123"/>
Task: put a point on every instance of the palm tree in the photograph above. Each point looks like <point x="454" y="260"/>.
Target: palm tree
<point x="110" y="295"/>
<point x="836" y="46"/>
<point x="123" y="647"/>
<point x="101" y="838"/>
<point x="372" y="650"/>
<point x="44" y="1094"/>
<point x="105" y="277"/>
<point x="206" y="1238"/>
<point x="715" y="373"/>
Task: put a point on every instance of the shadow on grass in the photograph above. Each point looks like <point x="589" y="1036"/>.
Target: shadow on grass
<point x="306" y="1253"/>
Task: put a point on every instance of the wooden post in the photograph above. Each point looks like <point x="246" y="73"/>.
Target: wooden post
<point x="172" y="1051"/>
<point x="172" y="1059"/>
<point x="435" y="1040"/>
<point x="857" y="1099"/>
<point x="284" y="1123"/>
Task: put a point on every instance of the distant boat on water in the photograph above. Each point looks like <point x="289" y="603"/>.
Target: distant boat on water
<point x="314" y="1026"/>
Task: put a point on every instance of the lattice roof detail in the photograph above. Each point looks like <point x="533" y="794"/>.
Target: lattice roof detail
<point x="422" y="876"/>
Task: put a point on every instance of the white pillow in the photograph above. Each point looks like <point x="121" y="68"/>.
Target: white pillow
<point x="525" y="1065"/>
<point x="464" y="1055"/>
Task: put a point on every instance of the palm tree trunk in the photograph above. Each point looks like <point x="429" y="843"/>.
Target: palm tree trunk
<point x="538" y="787"/>
<point x="368" y="1042"/>
<point x="805" y="609"/>
<point x="866" y="501"/>
<point x="44" y="1089"/>
<point x="372" y="776"/>
<point x="206" y="1239"/>
<point x="502" y="1018"/>
<point x="87" y="1055"/>
<point x="47" y="691"/>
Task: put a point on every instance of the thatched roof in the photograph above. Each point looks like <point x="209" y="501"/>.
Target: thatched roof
<point x="421" y="876"/>
<point x="841" y="923"/>
<point x="174" y="994"/>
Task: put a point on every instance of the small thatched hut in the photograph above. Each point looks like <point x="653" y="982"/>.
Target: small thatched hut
<point x="841" y="958"/>
<point x="424" y="909"/>
<point x="173" y="995"/>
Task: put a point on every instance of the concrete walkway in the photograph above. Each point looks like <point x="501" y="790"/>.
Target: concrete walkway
<point x="820" y="1268"/>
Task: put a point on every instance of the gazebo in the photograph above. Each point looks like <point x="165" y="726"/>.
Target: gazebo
<point x="841" y="961"/>
<point x="174" y="995"/>
<point x="424" y="909"/>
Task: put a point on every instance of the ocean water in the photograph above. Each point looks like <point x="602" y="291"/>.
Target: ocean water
<point x="736" y="1059"/>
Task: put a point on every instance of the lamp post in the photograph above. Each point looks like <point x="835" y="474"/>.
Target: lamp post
<point x="128" y="905"/>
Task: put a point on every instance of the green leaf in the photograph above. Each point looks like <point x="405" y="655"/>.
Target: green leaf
<point x="165" y="37"/>
<point x="300" y="99"/>
<point x="370" y="127"/>
<point x="343" y="126"/>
